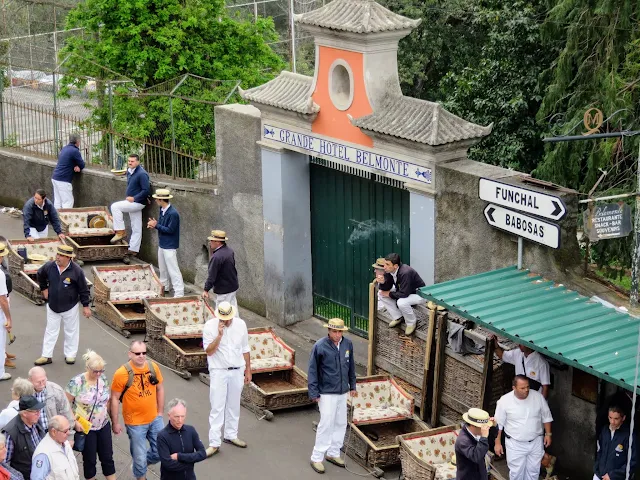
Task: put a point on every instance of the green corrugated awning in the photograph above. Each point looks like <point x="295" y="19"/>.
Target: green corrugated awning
<point x="546" y="317"/>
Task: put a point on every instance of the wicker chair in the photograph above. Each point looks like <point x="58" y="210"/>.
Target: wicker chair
<point x="23" y="274"/>
<point x="379" y="399"/>
<point x="91" y="244"/>
<point x="119" y="294"/>
<point x="427" y="455"/>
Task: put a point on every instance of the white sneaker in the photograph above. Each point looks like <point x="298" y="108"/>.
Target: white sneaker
<point x="6" y="376"/>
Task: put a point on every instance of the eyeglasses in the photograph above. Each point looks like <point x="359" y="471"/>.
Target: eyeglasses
<point x="97" y="372"/>
<point x="64" y="432"/>
<point x="137" y="354"/>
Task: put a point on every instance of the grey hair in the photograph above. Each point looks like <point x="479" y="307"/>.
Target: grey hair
<point x="73" y="138"/>
<point x="22" y="387"/>
<point x="3" y="440"/>
<point x="56" y="423"/>
<point x="175" y="402"/>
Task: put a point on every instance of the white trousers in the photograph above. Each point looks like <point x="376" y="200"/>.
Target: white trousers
<point x="168" y="265"/>
<point x="227" y="297"/>
<point x="225" y="391"/>
<point x="33" y="233"/>
<point x="3" y="342"/>
<point x="71" y="319"/>
<point x="523" y="459"/>
<point x="403" y="307"/>
<point x="62" y="194"/>
<point x="118" y="209"/>
<point x="332" y="427"/>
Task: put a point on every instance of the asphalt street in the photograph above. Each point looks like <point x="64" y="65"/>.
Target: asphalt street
<point x="278" y="449"/>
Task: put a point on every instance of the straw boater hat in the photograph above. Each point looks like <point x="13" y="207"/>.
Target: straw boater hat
<point x="336" y="324"/>
<point x="379" y="264"/>
<point x="162" y="194"/>
<point x="225" y="311"/>
<point x="4" y="250"/>
<point x="218" y="236"/>
<point x="477" y="417"/>
<point x="66" y="251"/>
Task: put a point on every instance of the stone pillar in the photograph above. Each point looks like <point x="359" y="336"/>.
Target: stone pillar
<point x="287" y="235"/>
<point x="422" y="224"/>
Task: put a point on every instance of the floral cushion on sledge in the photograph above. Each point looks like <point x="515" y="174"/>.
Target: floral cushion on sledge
<point x="180" y="313"/>
<point x="129" y="296"/>
<point x="46" y="248"/>
<point x="130" y="284"/>
<point x="91" y="231"/>
<point x="184" y="330"/>
<point x="268" y="352"/>
<point x="434" y="449"/>
<point x="380" y="400"/>
<point x="78" y="221"/>
<point x="445" y="471"/>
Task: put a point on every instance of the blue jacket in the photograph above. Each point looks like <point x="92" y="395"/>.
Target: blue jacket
<point x="39" y="218"/>
<point x="222" y="276"/>
<point x="168" y="227"/>
<point x="470" y="455"/>
<point x="138" y="185"/>
<point x="186" y="443"/>
<point x="64" y="289"/>
<point x="330" y="370"/>
<point x="68" y="158"/>
<point x="611" y="457"/>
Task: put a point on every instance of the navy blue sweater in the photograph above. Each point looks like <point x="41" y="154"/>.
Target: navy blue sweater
<point x="223" y="276"/>
<point x="186" y="443"/>
<point x="39" y="218"/>
<point x="138" y="185"/>
<point x="66" y="288"/>
<point x="612" y="454"/>
<point x="470" y="455"/>
<point x="168" y="227"/>
<point x="407" y="282"/>
<point x="68" y="158"/>
<point x="330" y="370"/>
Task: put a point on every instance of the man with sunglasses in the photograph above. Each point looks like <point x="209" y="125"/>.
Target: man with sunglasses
<point x="138" y="385"/>
<point x="54" y="454"/>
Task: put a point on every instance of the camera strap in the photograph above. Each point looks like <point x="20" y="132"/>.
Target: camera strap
<point x="127" y="366"/>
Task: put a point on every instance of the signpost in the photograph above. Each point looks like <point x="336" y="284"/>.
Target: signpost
<point x="522" y="199"/>
<point x="524" y="226"/>
<point x="609" y="220"/>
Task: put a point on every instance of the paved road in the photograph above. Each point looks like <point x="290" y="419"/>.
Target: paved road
<point x="277" y="450"/>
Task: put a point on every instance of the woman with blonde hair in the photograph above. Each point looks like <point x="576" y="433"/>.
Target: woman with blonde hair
<point x="89" y="393"/>
<point x="21" y="387"/>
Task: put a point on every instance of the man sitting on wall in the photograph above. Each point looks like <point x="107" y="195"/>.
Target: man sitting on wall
<point x="613" y="449"/>
<point x="399" y="302"/>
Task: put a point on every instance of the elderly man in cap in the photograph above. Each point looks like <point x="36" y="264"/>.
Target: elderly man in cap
<point x="525" y="419"/>
<point x="23" y="434"/>
<point x="168" y="226"/>
<point x="5" y="313"/>
<point x="332" y="375"/>
<point x="69" y="162"/>
<point x="138" y="190"/>
<point x="54" y="458"/>
<point x="472" y="445"/>
<point x="63" y="285"/>
<point x="38" y="212"/>
<point x="226" y="343"/>
<point x="223" y="276"/>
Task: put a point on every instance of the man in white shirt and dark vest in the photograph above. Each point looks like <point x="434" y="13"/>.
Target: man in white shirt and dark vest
<point x="226" y="343"/>
<point x="54" y="458"/>
<point x="524" y="418"/>
<point x="529" y="363"/>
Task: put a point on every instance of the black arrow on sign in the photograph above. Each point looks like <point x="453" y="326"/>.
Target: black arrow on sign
<point x="557" y="210"/>
<point x="490" y="214"/>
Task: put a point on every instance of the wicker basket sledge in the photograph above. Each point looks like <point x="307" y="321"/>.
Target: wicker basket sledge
<point x="91" y="244"/>
<point x="119" y="294"/>
<point x="421" y="453"/>
<point x="174" y="332"/>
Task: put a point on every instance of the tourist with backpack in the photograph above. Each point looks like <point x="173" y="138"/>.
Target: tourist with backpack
<point x="138" y="386"/>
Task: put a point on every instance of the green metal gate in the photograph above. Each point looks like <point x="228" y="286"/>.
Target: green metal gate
<point x="355" y="218"/>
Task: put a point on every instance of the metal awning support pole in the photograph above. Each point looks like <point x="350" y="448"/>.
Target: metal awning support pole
<point x="633" y="411"/>
<point x="635" y="260"/>
<point x="519" y="253"/>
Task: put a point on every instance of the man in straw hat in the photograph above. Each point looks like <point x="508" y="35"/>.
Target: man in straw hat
<point x="384" y="281"/>
<point x="332" y="375"/>
<point x="63" y="285"/>
<point x="525" y="419"/>
<point x="138" y="189"/>
<point x="5" y="313"/>
<point x="472" y="445"/>
<point x="226" y="343"/>
<point x="168" y="226"/>
<point x="223" y="276"/>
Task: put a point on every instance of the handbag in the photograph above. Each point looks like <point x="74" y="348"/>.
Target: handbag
<point x="80" y="437"/>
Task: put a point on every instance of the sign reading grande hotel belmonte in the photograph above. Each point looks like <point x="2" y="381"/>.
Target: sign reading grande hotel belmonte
<point x="358" y="157"/>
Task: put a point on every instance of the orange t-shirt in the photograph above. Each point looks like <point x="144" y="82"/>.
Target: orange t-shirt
<point x="139" y="405"/>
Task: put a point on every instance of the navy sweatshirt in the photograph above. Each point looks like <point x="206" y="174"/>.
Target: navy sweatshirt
<point x="168" y="227"/>
<point x="331" y="371"/>
<point x="68" y="158"/>
<point x="407" y="282"/>
<point x="223" y="276"/>
<point x="186" y="443"/>
<point x="612" y="455"/>
<point x="138" y="185"/>
<point x="39" y="218"/>
<point x="66" y="288"/>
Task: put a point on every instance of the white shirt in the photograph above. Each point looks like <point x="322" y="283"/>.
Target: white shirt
<point x="522" y="419"/>
<point x="164" y="209"/>
<point x="3" y="285"/>
<point x="537" y="367"/>
<point x="8" y="413"/>
<point x="234" y="343"/>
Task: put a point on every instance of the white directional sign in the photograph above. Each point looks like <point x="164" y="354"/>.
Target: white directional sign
<point x="522" y="225"/>
<point x="522" y="199"/>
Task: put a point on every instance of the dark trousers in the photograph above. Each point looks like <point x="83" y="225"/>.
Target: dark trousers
<point x="98" y="444"/>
